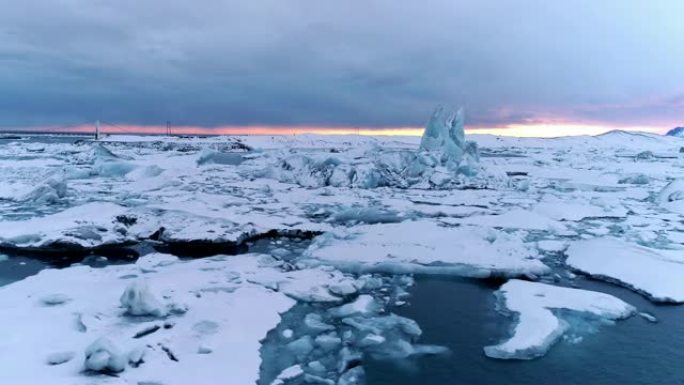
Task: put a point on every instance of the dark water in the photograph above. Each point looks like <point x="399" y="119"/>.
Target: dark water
<point x="460" y="314"/>
<point x="38" y="138"/>
<point x="16" y="268"/>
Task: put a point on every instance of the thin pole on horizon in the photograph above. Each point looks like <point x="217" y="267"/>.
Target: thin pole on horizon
<point x="97" y="129"/>
<point x="168" y="128"/>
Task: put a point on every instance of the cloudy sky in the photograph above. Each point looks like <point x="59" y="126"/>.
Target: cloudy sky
<point x="372" y="63"/>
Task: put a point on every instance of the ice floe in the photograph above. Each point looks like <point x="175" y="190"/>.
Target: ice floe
<point x="426" y="247"/>
<point x="539" y="322"/>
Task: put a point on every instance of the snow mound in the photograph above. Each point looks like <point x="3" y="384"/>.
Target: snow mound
<point x="538" y="327"/>
<point x="139" y="301"/>
<point x="655" y="273"/>
<point x="425" y="247"/>
<point x="103" y="356"/>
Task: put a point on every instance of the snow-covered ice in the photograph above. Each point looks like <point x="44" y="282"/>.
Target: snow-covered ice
<point x="538" y="319"/>
<point x="656" y="273"/>
<point x="103" y="336"/>
<point x="358" y="211"/>
<point x="425" y="247"/>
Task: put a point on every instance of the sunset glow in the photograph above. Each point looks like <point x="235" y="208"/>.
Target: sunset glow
<point x="516" y="130"/>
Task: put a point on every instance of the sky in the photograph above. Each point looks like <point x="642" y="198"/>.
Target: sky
<point x="543" y="67"/>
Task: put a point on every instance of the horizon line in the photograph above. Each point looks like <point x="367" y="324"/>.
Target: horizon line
<point x="542" y="130"/>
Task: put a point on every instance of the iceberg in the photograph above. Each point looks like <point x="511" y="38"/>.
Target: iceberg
<point x="444" y="135"/>
<point x="538" y="326"/>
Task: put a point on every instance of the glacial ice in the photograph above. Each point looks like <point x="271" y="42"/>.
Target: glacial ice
<point x="538" y="325"/>
<point x="444" y="135"/>
<point x="443" y="154"/>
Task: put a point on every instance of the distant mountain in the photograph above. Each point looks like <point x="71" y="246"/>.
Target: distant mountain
<point x="677" y="131"/>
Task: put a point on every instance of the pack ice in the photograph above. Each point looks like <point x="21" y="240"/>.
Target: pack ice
<point x="340" y="222"/>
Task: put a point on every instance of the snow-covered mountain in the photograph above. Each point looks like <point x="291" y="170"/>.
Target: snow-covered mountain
<point x="677" y="131"/>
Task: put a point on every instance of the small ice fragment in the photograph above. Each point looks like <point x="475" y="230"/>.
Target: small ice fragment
<point x="316" y="366"/>
<point x="280" y="253"/>
<point x="315" y="323"/>
<point x="301" y="347"/>
<point x="343" y="287"/>
<point x="288" y="374"/>
<point x="287" y="333"/>
<point x="372" y="339"/>
<point x="328" y="341"/>
<point x="648" y="317"/>
<point x="364" y="304"/>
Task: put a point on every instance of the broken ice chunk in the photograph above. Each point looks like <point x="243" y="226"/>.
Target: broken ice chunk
<point x="103" y="356"/>
<point x="364" y="304"/>
<point x="139" y="301"/>
<point x="538" y="327"/>
<point x="289" y="373"/>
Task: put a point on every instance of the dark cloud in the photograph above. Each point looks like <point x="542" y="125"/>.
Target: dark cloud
<point x="311" y="62"/>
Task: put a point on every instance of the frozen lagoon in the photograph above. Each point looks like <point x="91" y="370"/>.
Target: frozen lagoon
<point x="523" y="211"/>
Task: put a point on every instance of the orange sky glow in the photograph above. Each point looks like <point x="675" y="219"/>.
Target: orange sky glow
<point x="518" y="130"/>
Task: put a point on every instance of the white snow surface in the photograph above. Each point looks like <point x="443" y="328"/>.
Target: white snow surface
<point x="658" y="274"/>
<point x="425" y="247"/>
<point x="537" y="328"/>
<point x="213" y="302"/>
<point x="379" y="203"/>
